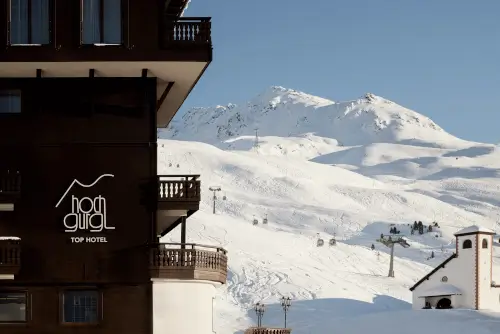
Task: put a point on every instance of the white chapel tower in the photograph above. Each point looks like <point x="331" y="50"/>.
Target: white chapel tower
<point x="475" y="251"/>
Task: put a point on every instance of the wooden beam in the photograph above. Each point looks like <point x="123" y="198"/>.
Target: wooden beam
<point x="164" y="96"/>
<point x="38" y="73"/>
<point x="91" y="73"/>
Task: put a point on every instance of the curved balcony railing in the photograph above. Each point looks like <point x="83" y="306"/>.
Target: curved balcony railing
<point x="267" y="330"/>
<point x="10" y="256"/>
<point x="188" y="261"/>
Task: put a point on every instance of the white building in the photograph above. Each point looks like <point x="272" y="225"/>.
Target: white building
<point x="465" y="279"/>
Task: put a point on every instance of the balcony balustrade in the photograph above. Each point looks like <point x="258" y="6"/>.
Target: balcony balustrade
<point x="179" y="188"/>
<point x="10" y="256"/>
<point x="187" y="32"/>
<point x="188" y="261"/>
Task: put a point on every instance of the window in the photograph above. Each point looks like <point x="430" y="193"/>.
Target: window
<point x="81" y="306"/>
<point x="467" y="244"/>
<point x="12" y="307"/>
<point x="101" y="22"/>
<point x="10" y="102"/>
<point x="485" y="243"/>
<point x="29" y="22"/>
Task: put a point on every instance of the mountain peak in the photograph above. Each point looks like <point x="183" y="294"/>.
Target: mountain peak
<point x="276" y="95"/>
<point x="285" y="112"/>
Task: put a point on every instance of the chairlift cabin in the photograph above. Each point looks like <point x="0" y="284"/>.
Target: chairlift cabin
<point x="333" y="242"/>
<point x="224" y="197"/>
<point x="320" y="243"/>
<point x="255" y="221"/>
<point x="264" y="221"/>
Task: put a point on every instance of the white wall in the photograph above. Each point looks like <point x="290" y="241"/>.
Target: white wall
<point x="183" y="306"/>
<point x="461" y="272"/>
<point x="489" y="298"/>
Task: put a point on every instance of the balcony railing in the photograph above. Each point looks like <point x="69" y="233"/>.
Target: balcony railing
<point x="187" y="31"/>
<point x="10" y="256"/>
<point x="179" y="188"/>
<point x="10" y="182"/>
<point x="188" y="261"/>
<point x="267" y="330"/>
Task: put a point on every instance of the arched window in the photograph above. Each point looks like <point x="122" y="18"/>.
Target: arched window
<point x="485" y="243"/>
<point x="467" y="244"/>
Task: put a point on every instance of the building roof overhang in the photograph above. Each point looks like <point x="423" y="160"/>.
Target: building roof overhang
<point x="441" y="290"/>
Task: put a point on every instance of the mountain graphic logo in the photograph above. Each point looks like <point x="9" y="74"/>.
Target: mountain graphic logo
<point x="87" y="214"/>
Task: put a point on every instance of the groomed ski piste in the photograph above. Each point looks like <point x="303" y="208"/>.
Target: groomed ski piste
<point x="344" y="170"/>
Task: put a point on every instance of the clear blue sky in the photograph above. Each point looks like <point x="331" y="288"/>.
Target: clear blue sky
<point x="438" y="57"/>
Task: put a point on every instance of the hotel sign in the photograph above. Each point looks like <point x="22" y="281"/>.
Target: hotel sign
<point x="88" y="214"/>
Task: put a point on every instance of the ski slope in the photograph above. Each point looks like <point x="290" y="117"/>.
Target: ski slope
<point x="310" y="183"/>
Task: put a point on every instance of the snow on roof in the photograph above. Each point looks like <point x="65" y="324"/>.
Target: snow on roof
<point x="185" y="7"/>
<point x="474" y="229"/>
<point x="441" y="290"/>
<point x="10" y="238"/>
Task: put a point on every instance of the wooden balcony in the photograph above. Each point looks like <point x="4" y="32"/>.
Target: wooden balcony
<point x="179" y="192"/>
<point x="188" y="262"/>
<point x="268" y="330"/>
<point x="178" y="198"/>
<point x="10" y="186"/>
<point x="10" y="256"/>
<point x="187" y="32"/>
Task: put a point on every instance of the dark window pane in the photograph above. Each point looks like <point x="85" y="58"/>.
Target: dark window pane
<point x="21" y="18"/>
<point x="109" y="31"/>
<point x="10" y="102"/>
<point x="12" y="307"/>
<point x="91" y="22"/>
<point x="40" y="19"/>
<point x="112" y="22"/>
<point x="81" y="306"/>
<point x="19" y="22"/>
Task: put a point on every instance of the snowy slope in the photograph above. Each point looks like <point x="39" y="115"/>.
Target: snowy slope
<point x="307" y="183"/>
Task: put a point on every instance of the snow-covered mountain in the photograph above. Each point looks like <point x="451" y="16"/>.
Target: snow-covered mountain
<point x="338" y="169"/>
<point x="284" y="113"/>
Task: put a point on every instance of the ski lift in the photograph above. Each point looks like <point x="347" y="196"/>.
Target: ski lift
<point x="333" y="242"/>
<point x="255" y="221"/>
<point x="264" y="221"/>
<point x="320" y="242"/>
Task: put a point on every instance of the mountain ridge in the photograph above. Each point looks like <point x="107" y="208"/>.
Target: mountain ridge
<point x="284" y="112"/>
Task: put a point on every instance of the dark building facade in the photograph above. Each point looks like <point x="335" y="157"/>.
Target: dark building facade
<point x="84" y="84"/>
